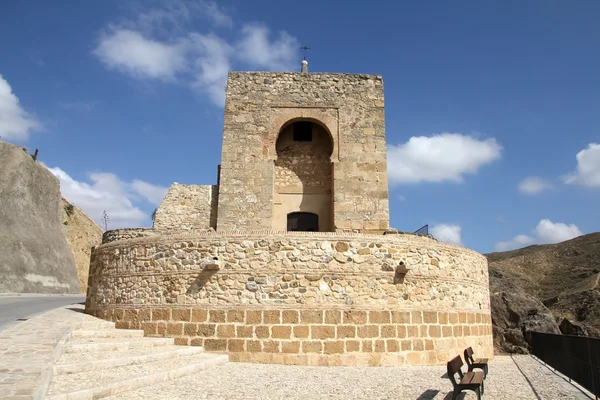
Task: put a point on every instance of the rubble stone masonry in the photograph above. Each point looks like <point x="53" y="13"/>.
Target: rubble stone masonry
<point x="307" y="298"/>
<point x="349" y="107"/>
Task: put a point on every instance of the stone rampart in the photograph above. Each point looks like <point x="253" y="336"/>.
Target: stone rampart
<point x="188" y="207"/>
<point x="299" y="298"/>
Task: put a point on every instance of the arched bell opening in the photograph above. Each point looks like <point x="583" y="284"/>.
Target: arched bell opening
<point x="303" y="176"/>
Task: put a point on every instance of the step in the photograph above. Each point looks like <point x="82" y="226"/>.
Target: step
<point x="79" y="357"/>
<point x="97" y="325"/>
<point x="108" y="333"/>
<point x="104" y="383"/>
<point x="121" y="359"/>
<point x="110" y="344"/>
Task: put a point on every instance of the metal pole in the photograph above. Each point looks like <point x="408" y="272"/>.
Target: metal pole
<point x="588" y="341"/>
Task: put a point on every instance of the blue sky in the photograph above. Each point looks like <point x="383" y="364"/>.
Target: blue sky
<point x="492" y="107"/>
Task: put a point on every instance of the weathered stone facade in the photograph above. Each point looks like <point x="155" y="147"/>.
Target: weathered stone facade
<point x="187" y="207"/>
<point x="301" y="152"/>
<point x="302" y="298"/>
<point x="350" y="108"/>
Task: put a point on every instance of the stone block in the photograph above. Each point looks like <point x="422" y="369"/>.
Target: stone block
<point x="352" y="345"/>
<point x="197" y="342"/>
<point x="453" y="318"/>
<point x="392" y="345"/>
<point x="416" y="317"/>
<point x="430" y="317"/>
<point x="182" y="341"/>
<point x="406" y="345"/>
<point x="312" y="347"/>
<point x="236" y="345"/>
<point x="181" y="314"/>
<point x="333" y="317"/>
<point x="235" y="316"/>
<point x="161" y="314"/>
<point x="322" y="332"/>
<point x="271" y="346"/>
<point x="226" y="331"/>
<point x="175" y="328"/>
<point x="301" y="331"/>
<point x="243" y="331"/>
<point x="290" y="316"/>
<point x="368" y="331"/>
<point x="215" y="344"/>
<point x="334" y="346"/>
<point x="272" y="317"/>
<point x="401" y="331"/>
<point x="401" y="317"/>
<point x="281" y="332"/>
<point x="190" y="329"/>
<point x="216" y="316"/>
<point x="446" y="331"/>
<point x="290" y="347"/>
<point x="367" y="346"/>
<point x="418" y="344"/>
<point x="346" y="331"/>
<point x="262" y="332"/>
<point x="311" y="316"/>
<point x="379" y="317"/>
<point x="443" y="318"/>
<point x="379" y="346"/>
<point x="253" y="317"/>
<point x="434" y="331"/>
<point x="199" y="315"/>
<point x="149" y="328"/>
<point x="388" y="331"/>
<point x="253" y="345"/>
<point x="355" y="317"/>
<point x="206" y="330"/>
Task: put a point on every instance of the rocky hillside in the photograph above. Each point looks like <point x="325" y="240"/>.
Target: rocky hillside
<point x="82" y="234"/>
<point x="34" y="254"/>
<point x="550" y="287"/>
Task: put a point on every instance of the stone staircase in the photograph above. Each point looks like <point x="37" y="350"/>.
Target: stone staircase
<point x="100" y="361"/>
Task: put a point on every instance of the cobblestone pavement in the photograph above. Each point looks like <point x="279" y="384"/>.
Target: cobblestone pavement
<point x="29" y="349"/>
<point x="259" y="381"/>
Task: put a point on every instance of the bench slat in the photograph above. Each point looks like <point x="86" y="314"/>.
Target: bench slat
<point x="472" y="378"/>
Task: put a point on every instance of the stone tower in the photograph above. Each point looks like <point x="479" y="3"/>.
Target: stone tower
<point x="303" y="151"/>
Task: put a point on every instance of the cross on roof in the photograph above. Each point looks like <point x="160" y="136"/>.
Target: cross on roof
<point x="305" y="48"/>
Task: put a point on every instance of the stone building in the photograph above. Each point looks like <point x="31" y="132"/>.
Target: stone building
<point x="288" y="258"/>
<point x="300" y="152"/>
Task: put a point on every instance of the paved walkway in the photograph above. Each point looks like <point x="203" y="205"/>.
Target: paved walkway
<point x="259" y="381"/>
<point x="17" y="307"/>
<point x="28" y="351"/>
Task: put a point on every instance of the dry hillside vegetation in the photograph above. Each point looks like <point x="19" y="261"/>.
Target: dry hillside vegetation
<point x="529" y="283"/>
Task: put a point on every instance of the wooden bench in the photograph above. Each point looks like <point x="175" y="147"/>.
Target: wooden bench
<point x="472" y="363"/>
<point x="468" y="381"/>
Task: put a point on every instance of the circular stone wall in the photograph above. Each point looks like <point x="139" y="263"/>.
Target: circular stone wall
<point x="307" y="298"/>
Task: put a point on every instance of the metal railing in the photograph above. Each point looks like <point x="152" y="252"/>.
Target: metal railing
<point x="576" y="357"/>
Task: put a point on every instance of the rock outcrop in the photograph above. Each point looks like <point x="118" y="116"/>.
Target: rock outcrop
<point x="549" y="288"/>
<point x="34" y="254"/>
<point x="82" y="234"/>
<point x="515" y="312"/>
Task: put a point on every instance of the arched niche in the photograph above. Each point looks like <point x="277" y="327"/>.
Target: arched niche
<point x="303" y="173"/>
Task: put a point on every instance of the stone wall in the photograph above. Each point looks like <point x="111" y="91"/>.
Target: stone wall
<point x="350" y="107"/>
<point x="188" y="207"/>
<point x="82" y="234"/>
<point x="34" y="254"/>
<point x="303" y="298"/>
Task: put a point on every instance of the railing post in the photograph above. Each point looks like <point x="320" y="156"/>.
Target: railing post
<point x="589" y="351"/>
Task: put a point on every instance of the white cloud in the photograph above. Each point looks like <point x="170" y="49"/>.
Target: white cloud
<point x="550" y="232"/>
<point x="514" y="243"/>
<point x="106" y="192"/>
<point x="533" y="185"/>
<point x="154" y="194"/>
<point x="588" y="168"/>
<point x="157" y="45"/>
<point x="256" y="48"/>
<point x="545" y="232"/>
<point x="443" y="157"/>
<point x="449" y="233"/>
<point x="130" y="52"/>
<point x="15" y="122"/>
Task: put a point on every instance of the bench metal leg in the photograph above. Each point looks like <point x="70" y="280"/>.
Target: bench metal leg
<point x="479" y="393"/>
